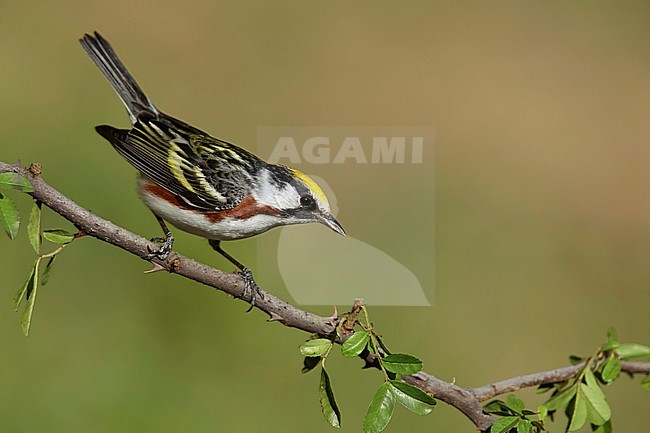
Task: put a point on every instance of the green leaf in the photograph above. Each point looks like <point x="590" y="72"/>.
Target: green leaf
<point x="20" y="294"/>
<point x="380" y="410"/>
<point x="32" y="289"/>
<point x="577" y="412"/>
<point x="515" y="403"/>
<point x="524" y="426"/>
<point x="382" y="345"/>
<point x="561" y="399"/>
<point x="591" y="381"/>
<point x="58" y="236"/>
<point x="412" y="398"/>
<point x="612" y="340"/>
<point x="504" y="424"/>
<point x="402" y="363"/>
<point x="605" y="428"/>
<point x="553" y="386"/>
<point x="48" y="268"/>
<point x="632" y="350"/>
<point x="414" y="392"/>
<point x="612" y="336"/>
<point x="355" y="344"/>
<point x="611" y="368"/>
<point x="317" y="347"/>
<point x="598" y="410"/>
<point x="645" y="383"/>
<point x="309" y="363"/>
<point x="575" y="359"/>
<point x="542" y="412"/>
<point x="327" y="401"/>
<point x="497" y="407"/>
<point x="539" y="426"/>
<point x="15" y="182"/>
<point x="34" y="227"/>
<point x="9" y="218"/>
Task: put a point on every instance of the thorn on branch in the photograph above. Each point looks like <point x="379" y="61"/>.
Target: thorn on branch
<point x="274" y="317"/>
<point x="157" y="267"/>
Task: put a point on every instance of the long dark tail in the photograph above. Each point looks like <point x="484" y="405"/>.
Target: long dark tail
<point x="102" y="54"/>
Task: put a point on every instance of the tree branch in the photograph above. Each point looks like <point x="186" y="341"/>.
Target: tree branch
<point x="486" y="392"/>
<point x="467" y="400"/>
<point x="92" y="225"/>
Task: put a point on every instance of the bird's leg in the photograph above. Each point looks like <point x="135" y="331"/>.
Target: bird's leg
<point x="168" y="242"/>
<point x="246" y="273"/>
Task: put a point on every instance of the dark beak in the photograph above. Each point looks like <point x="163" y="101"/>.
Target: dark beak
<point x="331" y="222"/>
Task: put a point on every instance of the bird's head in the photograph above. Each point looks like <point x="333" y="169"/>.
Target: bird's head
<point x="297" y="198"/>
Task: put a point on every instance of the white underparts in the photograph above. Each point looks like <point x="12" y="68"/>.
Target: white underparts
<point x="194" y="222"/>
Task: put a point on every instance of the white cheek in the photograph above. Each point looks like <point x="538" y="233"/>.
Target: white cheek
<point x="288" y="198"/>
<point x="269" y="194"/>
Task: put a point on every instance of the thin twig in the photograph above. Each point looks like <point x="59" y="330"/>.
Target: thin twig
<point x="466" y="400"/>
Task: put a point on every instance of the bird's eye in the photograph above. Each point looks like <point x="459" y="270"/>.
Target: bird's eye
<point x="306" y="201"/>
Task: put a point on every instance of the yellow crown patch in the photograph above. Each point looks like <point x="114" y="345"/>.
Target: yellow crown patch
<point x="313" y="186"/>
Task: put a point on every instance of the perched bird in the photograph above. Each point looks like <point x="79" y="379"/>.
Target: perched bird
<point x="199" y="183"/>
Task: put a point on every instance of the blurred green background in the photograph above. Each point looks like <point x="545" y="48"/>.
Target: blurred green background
<point x="542" y="201"/>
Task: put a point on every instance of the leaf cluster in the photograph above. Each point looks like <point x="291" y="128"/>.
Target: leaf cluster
<point x="514" y="416"/>
<point x="39" y="274"/>
<point x="582" y="398"/>
<point x="391" y="391"/>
